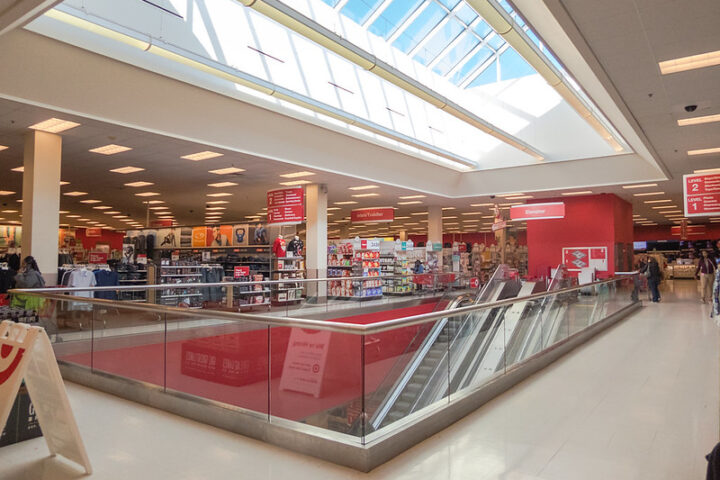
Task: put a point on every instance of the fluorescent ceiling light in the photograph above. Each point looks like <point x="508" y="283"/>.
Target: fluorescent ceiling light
<point x="584" y="192"/>
<point x="413" y="202"/>
<point x="684" y="122"/>
<point x="297" y="174"/>
<point x="448" y="208"/>
<point x="9" y="211"/>
<point x="448" y="218"/>
<point x="111" y="212"/>
<point x="101" y="207"/>
<point x="482" y="204"/>
<point x="206" y="155"/>
<point x="64" y="183"/>
<point x="75" y="194"/>
<point x="704" y="151"/>
<point x="116" y="216"/>
<point x="473" y="213"/>
<point x="6" y="192"/>
<point x="147" y="194"/>
<point x="328" y="209"/>
<point x="664" y="207"/>
<point x="3" y="147"/>
<point x="221" y="202"/>
<point x="54" y="125"/>
<point x="708" y="170"/>
<point x="410" y="197"/>
<point x="139" y="184"/>
<point x="20" y="169"/>
<point x="222" y="184"/>
<point x="346" y="203"/>
<point x="503" y="195"/>
<point x="220" y="194"/>
<point x="73" y="216"/>
<point x="515" y="203"/>
<point x="658" y="201"/>
<point x="215" y="208"/>
<point x="295" y="182"/>
<point x="111" y="149"/>
<point x="227" y="171"/>
<point x="363" y="195"/>
<point x="90" y="201"/>
<point x="521" y="197"/>
<point x="647" y="194"/>
<point x="690" y="63"/>
<point x="364" y="187"/>
<point x="671" y="211"/>
<point x="419" y="213"/>
<point x="126" y="170"/>
<point x="640" y="185"/>
<point x="158" y="208"/>
<point x="154" y="202"/>
<point x="63" y="212"/>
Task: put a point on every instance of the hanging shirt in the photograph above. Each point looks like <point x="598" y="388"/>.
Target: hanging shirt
<point x="82" y="278"/>
<point x="106" y="278"/>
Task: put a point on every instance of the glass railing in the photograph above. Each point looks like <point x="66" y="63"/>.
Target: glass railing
<point x="334" y="376"/>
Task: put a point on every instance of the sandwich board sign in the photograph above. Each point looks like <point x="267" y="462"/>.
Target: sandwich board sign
<point x="26" y="354"/>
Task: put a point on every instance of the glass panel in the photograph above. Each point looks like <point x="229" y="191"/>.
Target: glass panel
<point x="489" y="75"/>
<point x="450" y="4"/>
<point x="466" y="14"/>
<point x="72" y="342"/>
<point x="512" y="65"/>
<point x="457" y="53"/>
<point x="393" y="16"/>
<point x="477" y="59"/>
<point x="423" y="24"/>
<point x="360" y="10"/>
<point x="482" y="29"/>
<point x="496" y="41"/>
<point x="332" y="3"/>
<point x="439" y="41"/>
<point x="316" y="378"/>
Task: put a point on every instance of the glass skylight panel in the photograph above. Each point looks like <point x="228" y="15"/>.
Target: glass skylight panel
<point x="466" y="14"/>
<point x="393" y="17"/>
<point x="470" y="66"/>
<point x="449" y="4"/>
<point x="482" y="29"/>
<point x="448" y="32"/>
<point x="430" y="17"/>
<point x="496" y="42"/>
<point x="360" y="10"/>
<point x="462" y="48"/>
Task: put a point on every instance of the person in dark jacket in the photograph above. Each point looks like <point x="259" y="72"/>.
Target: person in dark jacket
<point x="653" y="277"/>
<point x="705" y="272"/>
<point x="29" y="275"/>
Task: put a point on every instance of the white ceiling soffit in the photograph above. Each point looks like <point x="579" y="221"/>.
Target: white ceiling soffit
<point x="552" y="22"/>
<point x="16" y="13"/>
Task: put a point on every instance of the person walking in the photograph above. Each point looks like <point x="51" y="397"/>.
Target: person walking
<point x="705" y="272"/>
<point x="652" y="272"/>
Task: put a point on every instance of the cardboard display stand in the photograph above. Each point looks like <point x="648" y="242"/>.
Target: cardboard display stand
<point x="26" y="354"/>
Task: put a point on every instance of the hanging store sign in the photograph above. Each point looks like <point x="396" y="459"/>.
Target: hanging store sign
<point x="688" y="230"/>
<point x="372" y="215"/>
<point x="701" y="195"/>
<point x="286" y="206"/>
<point x="537" y="211"/>
<point x="93" y="232"/>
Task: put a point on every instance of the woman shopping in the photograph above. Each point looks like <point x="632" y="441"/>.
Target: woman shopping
<point x="28" y="277"/>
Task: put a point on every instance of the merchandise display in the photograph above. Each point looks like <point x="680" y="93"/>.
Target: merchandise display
<point x="394" y="263"/>
<point x="190" y="275"/>
<point x="245" y="297"/>
<point x="286" y="267"/>
<point x="348" y="260"/>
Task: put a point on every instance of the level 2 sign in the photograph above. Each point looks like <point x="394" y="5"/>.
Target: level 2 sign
<point x="701" y="194"/>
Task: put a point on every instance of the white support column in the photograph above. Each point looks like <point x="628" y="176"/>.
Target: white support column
<point x="435" y="224"/>
<point x="41" y="201"/>
<point x="403" y="235"/>
<point x="316" y="244"/>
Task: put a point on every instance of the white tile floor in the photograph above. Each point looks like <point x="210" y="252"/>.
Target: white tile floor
<point x="639" y="402"/>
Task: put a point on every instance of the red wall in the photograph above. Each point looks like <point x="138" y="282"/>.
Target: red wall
<point x="590" y="221"/>
<point x="472" y="238"/>
<point x="108" y="236"/>
<point x="662" y="232"/>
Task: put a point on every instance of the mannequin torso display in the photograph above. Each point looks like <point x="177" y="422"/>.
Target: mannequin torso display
<point x="279" y="246"/>
<point x="295" y="246"/>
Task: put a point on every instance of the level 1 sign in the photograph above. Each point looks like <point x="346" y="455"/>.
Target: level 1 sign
<point x="537" y="211"/>
<point x="286" y="205"/>
<point x="701" y="195"/>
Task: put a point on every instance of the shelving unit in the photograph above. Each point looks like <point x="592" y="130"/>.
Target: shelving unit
<point x="398" y="265"/>
<point x="191" y="276"/>
<point x="247" y="297"/>
<point x="348" y="261"/>
<point x="132" y="275"/>
<point x="287" y="268"/>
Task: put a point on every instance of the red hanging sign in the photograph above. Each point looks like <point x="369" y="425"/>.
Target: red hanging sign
<point x="537" y="211"/>
<point x="97" y="257"/>
<point x="701" y="195"/>
<point x="93" y="232"/>
<point x="384" y="214"/>
<point x="286" y="205"/>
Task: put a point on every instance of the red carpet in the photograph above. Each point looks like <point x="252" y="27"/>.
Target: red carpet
<point x="229" y="364"/>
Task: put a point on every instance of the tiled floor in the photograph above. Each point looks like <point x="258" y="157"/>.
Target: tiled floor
<point x="639" y="402"/>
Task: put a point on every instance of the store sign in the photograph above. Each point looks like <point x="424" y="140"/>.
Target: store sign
<point x="372" y="215"/>
<point x="161" y="223"/>
<point x="499" y="225"/>
<point x="26" y="354"/>
<point x="175" y="255"/>
<point x="240" y="271"/>
<point x="701" y="195"/>
<point x="474" y="282"/>
<point x="286" y="206"/>
<point x="93" y="232"/>
<point x="689" y="230"/>
<point x="537" y="211"/>
<point x="97" y="257"/>
<point x="369" y="244"/>
<point x="305" y="361"/>
<point x="578" y="258"/>
<point x="141" y="259"/>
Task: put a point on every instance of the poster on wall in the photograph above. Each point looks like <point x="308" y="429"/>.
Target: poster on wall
<point x="67" y="238"/>
<point x="258" y="235"/>
<point x="93" y="232"/>
<point x="199" y="236"/>
<point x="10" y="236"/>
<point x="168" y="238"/>
<point x="286" y="206"/>
<point x="577" y="258"/>
<point x="220" y="236"/>
<point x="240" y="235"/>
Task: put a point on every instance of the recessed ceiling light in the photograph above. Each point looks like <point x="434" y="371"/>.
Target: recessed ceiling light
<point x="159" y="208"/>
<point x="154" y="202"/>
<point x="690" y="63"/>
<point x="295" y="182"/>
<point x="647" y="194"/>
<point x="221" y="194"/>
<point x="139" y="184"/>
<point x="102" y="207"/>
<point x="126" y="170"/>
<point x="6" y="192"/>
<point x="640" y="185"/>
<point x="658" y="201"/>
<point x="410" y="197"/>
<point x="482" y="204"/>
<point x="147" y="194"/>
<point x="206" y="155"/>
<point x="684" y="122"/>
<point x="297" y="174"/>
<point x="227" y="171"/>
<point x="3" y="147"/>
<point x="363" y="195"/>
<point x="90" y="201"/>
<point x="112" y="212"/>
<point x="364" y="187"/>
<point x="704" y="151"/>
<point x="221" y="202"/>
<point x="54" y="125"/>
<point x="111" y="149"/>
<point x="708" y="170"/>
<point x="222" y="184"/>
<point x="584" y="192"/>
<point x="413" y="202"/>
<point x="20" y="169"/>
<point x="346" y="203"/>
<point x="75" y="194"/>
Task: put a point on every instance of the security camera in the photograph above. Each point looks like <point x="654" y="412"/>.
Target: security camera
<point x="492" y="196"/>
<point x="690" y="108"/>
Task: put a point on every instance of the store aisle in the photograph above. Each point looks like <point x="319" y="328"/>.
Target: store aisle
<point x="640" y="401"/>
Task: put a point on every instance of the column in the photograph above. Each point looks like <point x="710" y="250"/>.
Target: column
<point x="402" y="235"/>
<point x="435" y="224"/>
<point x="316" y="236"/>
<point x="345" y="231"/>
<point x="41" y="201"/>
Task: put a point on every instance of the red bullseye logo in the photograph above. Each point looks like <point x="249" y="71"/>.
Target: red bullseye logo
<point x="9" y="361"/>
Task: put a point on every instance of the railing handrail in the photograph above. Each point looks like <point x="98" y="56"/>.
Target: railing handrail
<point x="339" y="327"/>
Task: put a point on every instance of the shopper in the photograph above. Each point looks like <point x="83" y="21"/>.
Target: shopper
<point x="419" y="267"/>
<point x="652" y="272"/>
<point x="705" y="272"/>
<point x="29" y="275"/>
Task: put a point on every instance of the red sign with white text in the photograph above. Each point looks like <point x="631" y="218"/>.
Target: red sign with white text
<point x="97" y="257"/>
<point x="286" y="205"/>
<point x="701" y="195"/>
<point x="93" y="232"/>
<point x="689" y="230"/>
<point x="372" y="215"/>
<point x="240" y="271"/>
<point x="537" y="211"/>
<point x="474" y="282"/>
